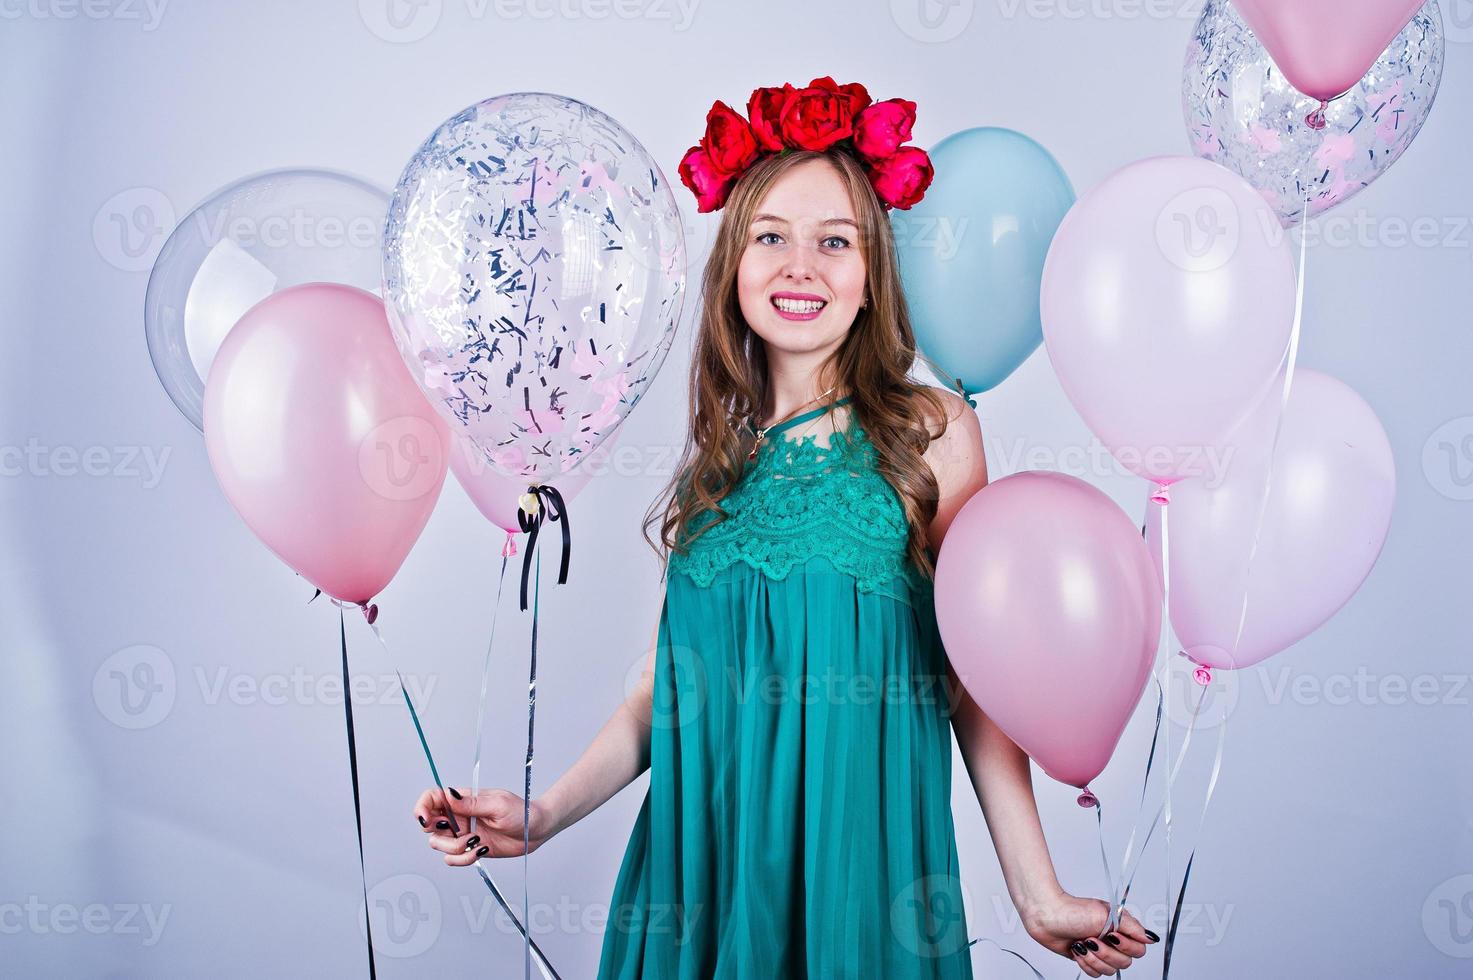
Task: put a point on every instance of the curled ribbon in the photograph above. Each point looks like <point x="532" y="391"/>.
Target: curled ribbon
<point x="531" y="512"/>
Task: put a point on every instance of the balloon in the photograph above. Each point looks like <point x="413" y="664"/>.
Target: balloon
<point x="1242" y="113"/>
<point x="1324" y="46"/>
<point x="320" y="439"/>
<point x="1050" y="613"/>
<point x="534" y="268"/>
<point x="1329" y="508"/>
<point x="498" y="496"/>
<point x="1168" y="300"/>
<point x="241" y="244"/>
<point x="971" y="253"/>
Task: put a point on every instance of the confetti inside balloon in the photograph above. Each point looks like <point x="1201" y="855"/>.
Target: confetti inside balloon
<point x="534" y="269"/>
<point x="1243" y="113"/>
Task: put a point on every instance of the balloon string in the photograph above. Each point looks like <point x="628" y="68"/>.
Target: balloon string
<point x="485" y="685"/>
<point x="357" y="796"/>
<point x="527" y="776"/>
<point x="1290" y="359"/>
<point x="543" y="965"/>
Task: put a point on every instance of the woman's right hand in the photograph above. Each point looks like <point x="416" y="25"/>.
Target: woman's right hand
<point x="498" y="831"/>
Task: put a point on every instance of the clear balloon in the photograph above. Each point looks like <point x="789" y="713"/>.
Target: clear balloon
<point x="534" y="266"/>
<point x="243" y="243"/>
<point x="499" y="496"/>
<point x="1243" y="113"/>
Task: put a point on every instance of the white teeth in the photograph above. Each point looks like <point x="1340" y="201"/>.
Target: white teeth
<point x="799" y="305"/>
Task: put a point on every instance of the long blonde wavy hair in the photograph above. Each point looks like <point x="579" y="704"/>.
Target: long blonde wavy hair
<point x="729" y="377"/>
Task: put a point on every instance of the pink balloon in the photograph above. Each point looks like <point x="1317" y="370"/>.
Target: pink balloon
<point x="498" y="495"/>
<point x="1323" y="47"/>
<point x="320" y="438"/>
<point x="1329" y="509"/>
<point x="1050" y="613"/>
<point x="1168" y="300"/>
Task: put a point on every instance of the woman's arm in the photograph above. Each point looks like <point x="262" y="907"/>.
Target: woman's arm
<point x="999" y="769"/>
<point x="618" y="754"/>
<point x="615" y="757"/>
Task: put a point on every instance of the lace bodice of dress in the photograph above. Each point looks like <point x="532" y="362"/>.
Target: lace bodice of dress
<point x="798" y="500"/>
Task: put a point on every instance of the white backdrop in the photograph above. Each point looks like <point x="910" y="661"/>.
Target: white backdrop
<point x="201" y="824"/>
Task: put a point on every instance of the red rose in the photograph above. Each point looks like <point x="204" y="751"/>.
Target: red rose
<point x="901" y="180"/>
<point x="856" y="94"/>
<point x="817" y="117"/>
<point x="728" y="141"/>
<point x="706" y="182"/>
<point x="880" y="129"/>
<point x="765" y="109"/>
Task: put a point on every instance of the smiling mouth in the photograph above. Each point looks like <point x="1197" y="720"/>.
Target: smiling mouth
<point x="798" y="307"/>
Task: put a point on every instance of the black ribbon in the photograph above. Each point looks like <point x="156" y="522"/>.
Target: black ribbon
<point x="549" y="506"/>
<point x="357" y="799"/>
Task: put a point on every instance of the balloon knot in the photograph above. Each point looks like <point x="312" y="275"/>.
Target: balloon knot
<point x="1316" y="119"/>
<point x="1202" y="675"/>
<point x="509" y="547"/>
<point x="1087" y="799"/>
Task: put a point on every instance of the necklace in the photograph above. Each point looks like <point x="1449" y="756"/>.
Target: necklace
<point x="762" y="432"/>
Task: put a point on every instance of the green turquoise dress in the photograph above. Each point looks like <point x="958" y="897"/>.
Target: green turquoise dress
<point x="798" y="819"/>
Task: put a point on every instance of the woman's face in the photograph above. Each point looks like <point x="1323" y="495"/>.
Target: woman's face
<point x="801" y="278"/>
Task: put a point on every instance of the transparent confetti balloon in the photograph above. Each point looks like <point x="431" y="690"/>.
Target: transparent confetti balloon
<point x="246" y="241"/>
<point x="1242" y="113"/>
<point x="534" y="267"/>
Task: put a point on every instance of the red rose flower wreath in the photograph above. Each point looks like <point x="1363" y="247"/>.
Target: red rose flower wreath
<point x="822" y="116"/>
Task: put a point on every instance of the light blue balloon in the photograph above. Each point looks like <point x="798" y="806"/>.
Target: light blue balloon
<point x="971" y="252"/>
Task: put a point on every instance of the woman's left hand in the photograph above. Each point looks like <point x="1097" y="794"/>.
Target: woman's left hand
<point x="1071" y="927"/>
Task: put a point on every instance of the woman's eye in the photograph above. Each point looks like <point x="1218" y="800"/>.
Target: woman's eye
<point x="767" y="234"/>
<point x="843" y="242"/>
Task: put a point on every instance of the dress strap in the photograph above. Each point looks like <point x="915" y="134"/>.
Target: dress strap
<point x="805" y="416"/>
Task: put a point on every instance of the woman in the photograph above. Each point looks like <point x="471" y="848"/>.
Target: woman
<point x="796" y="710"/>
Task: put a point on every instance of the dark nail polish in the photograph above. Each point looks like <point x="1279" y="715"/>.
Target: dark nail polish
<point x="482" y="851"/>
<point x="1094" y="947"/>
<point x="442" y="825"/>
<point x="421" y="820"/>
<point x="475" y="839"/>
<point x="1152" y="936"/>
<point x="1112" y="939"/>
<point x="453" y="793"/>
<point x="1078" y="948"/>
